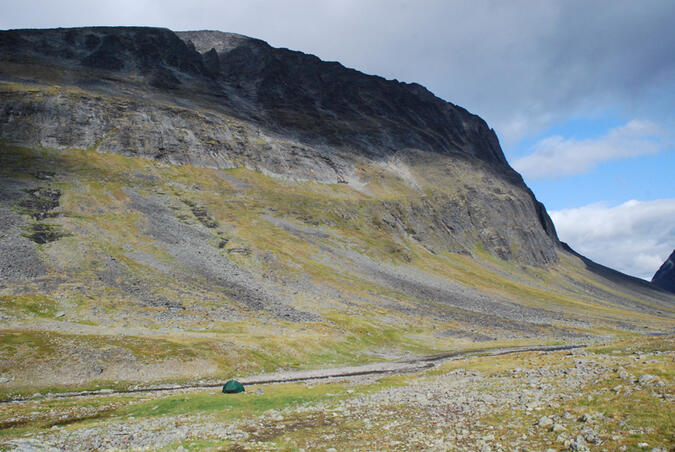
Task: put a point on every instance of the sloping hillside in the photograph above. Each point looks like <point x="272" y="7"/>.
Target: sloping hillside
<point x="173" y="212"/>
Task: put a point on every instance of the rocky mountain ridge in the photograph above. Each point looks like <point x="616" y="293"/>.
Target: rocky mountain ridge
<point x="280" y="81"/>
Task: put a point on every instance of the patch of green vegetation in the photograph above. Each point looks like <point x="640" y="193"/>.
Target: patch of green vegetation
<point x="480" y="360"/>
<point x="232" y="406"/>
<point x="42" y="233"/>
<point x="24" y="344"/>
<point x="199" y="444"/>
<point x="41" y="203"/>
<point x="633" y="344"/>
<point x="38" y="305"/>
<point x="41" y="414"/>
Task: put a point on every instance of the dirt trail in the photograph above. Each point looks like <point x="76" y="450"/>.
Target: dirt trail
<point x="394" y="367"/>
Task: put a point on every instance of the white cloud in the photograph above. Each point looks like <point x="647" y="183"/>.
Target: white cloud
<point x="556" y="156"/>
<point x="634" y="237"/>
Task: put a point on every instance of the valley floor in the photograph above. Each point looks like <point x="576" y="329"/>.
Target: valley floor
<point x="613" y="396"/>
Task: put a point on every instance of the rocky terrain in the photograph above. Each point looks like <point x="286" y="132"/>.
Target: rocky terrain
<point x="182" y="207"/>
<point x="611" y="397"/>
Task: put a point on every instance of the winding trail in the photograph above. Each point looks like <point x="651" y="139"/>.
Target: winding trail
<point x="393" y="367"/>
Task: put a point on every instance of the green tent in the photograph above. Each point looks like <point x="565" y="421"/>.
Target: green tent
<point x="233" y="387"/>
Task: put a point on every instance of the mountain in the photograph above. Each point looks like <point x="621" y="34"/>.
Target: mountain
<point x="182" y="205"/>
<point x="298" y="117"/>
<point x="665" y="275"/>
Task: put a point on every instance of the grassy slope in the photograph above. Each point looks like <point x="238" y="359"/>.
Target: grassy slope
<point x="95" y="212"/>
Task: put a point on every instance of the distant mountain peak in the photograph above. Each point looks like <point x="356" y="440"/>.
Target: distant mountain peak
<point x="665" y="275"/>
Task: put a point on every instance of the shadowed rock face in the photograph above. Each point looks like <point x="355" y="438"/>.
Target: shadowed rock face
<point x="324" y="101"/>
<point x="151" y="51"/>
<point x="224" y="100"/>
<point x="665" y="275"/>
<point x="343" y="106"/>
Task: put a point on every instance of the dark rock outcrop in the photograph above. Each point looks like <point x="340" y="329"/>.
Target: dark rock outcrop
<point x="665" y="275"/>
<point x="109" y="48"/>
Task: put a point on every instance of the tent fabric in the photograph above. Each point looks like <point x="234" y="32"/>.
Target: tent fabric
<point x="233" y="387"/>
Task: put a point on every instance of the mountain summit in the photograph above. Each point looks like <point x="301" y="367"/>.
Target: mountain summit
<point x="180" y="205"/>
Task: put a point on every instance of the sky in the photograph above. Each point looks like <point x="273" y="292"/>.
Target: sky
<point x="580" y="93"/>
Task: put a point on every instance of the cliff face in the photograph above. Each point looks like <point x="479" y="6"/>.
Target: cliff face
<point x="223" y="100"/>
<point x="665" y="275"/>
<point x="290" y="92"/>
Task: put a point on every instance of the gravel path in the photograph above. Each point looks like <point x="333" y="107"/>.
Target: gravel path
<point x="396" y="367"/>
